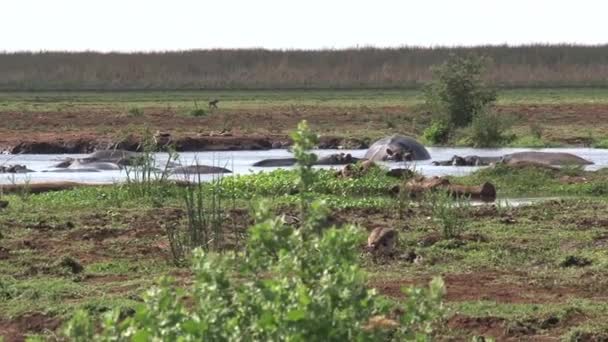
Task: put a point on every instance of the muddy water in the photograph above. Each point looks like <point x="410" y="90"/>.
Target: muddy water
<point x="240" y="162"/>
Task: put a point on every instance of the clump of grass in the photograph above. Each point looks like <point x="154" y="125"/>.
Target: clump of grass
<point x="447" y="212"/>
<point x="197" y="111"/>
<point x="206" y="215"/>
<point x="135" y="112"/>
<point x="529" y="141"/>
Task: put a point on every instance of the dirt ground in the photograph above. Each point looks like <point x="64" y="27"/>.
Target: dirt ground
<point x="74" y="130"/>
<point x="136" y="236"/>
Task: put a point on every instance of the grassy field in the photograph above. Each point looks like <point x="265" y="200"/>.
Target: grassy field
<point x="513" y="273"/>
<point x="563" y="117"/>
<point x="246" y="99"/>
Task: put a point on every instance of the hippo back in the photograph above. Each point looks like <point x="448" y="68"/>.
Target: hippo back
<point x="550" y="158"/>
<point x="111" y="155"/>
<point x="377" y="152"/>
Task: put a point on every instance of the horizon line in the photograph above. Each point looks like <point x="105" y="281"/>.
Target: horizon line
<point x="356" y="47"/>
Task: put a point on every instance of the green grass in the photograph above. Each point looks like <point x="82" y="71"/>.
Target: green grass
<point x="235" y="99"/>
<point x="115" y="236"/>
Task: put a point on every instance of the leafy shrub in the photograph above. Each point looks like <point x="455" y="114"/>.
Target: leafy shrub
<point x="198" y="112"/>
<point x="290" y="285"/>
<point x="601" y="143"/>
<point x="458" y="91"/>
<point x="437" y="133"/>
<point x="489" y="130"/>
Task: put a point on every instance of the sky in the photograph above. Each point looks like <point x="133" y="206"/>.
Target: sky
<point x="155" y="25"/>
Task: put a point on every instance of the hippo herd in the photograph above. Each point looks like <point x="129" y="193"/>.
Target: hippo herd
<point x="394" y="148"/>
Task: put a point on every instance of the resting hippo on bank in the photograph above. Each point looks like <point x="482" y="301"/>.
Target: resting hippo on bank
<point x="199" y="169"/>
<point x="332" y="159"/>
<point x="549" y="158"/>
<point x="468" y="161"/>
<point x="397" y="148"/>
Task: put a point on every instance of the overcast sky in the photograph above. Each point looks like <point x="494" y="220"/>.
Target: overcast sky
<point x="144" y="25"/>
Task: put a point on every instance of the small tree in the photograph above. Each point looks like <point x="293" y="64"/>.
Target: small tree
<point x="457" y="92"/>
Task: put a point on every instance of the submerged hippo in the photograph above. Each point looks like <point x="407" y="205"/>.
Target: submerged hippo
<point x="549" y="158"/>
<point x="14" y="169"/>
<point x="468" y="161"/>
<point x="332" y="159"/>
<point x="276" y="162"/>
<point x="102" y="160"/>
<point x="397" y="148"/>
<point x="120" y="157"/>
<point x="200" y="170"/>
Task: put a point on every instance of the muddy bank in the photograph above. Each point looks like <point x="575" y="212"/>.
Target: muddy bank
<point x="72" y="144"/>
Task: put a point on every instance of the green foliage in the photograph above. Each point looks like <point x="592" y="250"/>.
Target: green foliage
<point x="135" y="112"/>
<point x="144" y="179"/>
<point x="290" y="285"/>
<point x="458" y="91"/>
<point x="303" y="141"/>
<point x="448" y="212"/>
<point x="603" y="143"/>
<point x="489" y="129"/>
<point x="437" y="133"/>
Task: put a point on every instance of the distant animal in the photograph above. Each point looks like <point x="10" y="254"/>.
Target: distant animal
<point x="468" y="161"/>
<point x="200" y="169"/>
<point x="550" y="158"/>
<point x="213" y="103"/>
<point x="332" y="159"/>
<point x="382" y="241"/>
<point x="103" y="160"/>
<point x="397" y="148"/>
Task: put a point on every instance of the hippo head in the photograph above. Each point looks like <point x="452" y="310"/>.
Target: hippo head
<point x="458" y="161"/>
<point x="398" y="156"/>
<point x="65" y="164"/>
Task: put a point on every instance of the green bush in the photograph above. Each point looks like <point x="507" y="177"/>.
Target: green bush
<point x="135" y="112"/>
<point x="489" y="130"/>
<point x="290" y="284"/>
<point x="198" y="112"/>
<point x="601" y="143"/>
<point x="437" y="133"/>
<point x="458" y="91"/>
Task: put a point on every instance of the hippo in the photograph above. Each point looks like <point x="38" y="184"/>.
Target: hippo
<point x="82" y="165"/>
<point x="472" y="160"/>
<point x="68" y="170"/>
<point x="102" y="160"/>
<point x="276" y="162"/>
<point x="337" y="159"/>
<point x="199" y="169"/>
<point x="397" y="148"/>
<point x="14" y="169"/>
<point x="332" y="159"/>
<point x="549" y="158"/>
<point x="120" y="157"/>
